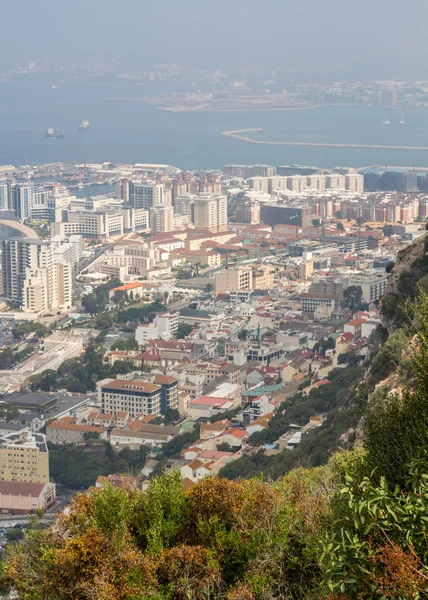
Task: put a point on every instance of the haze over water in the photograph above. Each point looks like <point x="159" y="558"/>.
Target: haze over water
<point x="128" y="131"/>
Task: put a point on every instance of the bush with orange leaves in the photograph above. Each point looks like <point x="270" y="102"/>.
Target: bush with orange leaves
<point x="189" y="572"/>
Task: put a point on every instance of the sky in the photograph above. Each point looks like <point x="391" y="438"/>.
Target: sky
<point x="367" y="37"/>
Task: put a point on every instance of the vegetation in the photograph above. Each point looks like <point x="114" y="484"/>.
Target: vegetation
<point x="183" y="331"/>
<point x="78" y="467"/>
<point x="80" y="374"/>
<point x="24" y="328"/>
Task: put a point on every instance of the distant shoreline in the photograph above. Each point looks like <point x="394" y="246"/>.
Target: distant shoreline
<point x="235" y="134"/>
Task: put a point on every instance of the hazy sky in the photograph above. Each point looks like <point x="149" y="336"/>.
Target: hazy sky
<point x="309" y="35"/>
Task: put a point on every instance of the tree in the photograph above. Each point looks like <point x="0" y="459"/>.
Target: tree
<point x="171" y="415"/>
<point x="390" y="266"/>
<point x="91" y="436"/>
<point x="183" y="330"/>
<point x="8" y="412"/>
<point x="340" y="226"/>
<point x="119" y="296"/>
<point x="209" y="287"/>
<point x="316" y="222"/>
<point x="353" y="298"/>
<point x="90" y="304"/>
<point x="104" y="321"/>
<point x="264" y="244"/>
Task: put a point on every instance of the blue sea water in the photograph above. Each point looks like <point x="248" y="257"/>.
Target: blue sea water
<point x="132" y="131"/>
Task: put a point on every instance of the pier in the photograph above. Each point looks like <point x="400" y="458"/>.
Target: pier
<point x="237" y="135"/>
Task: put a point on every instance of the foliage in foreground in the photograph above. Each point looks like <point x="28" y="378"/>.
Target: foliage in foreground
<point x="222" y="539"/>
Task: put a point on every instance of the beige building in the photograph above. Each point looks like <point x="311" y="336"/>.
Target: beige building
<point x="262" y="278"/>
<point x="68" y="431"/>
<point x="354" y="182"/>
<point x="316" y="182"/>
<point x="24" y="457"/>
<point x="234" y="279"/>
<point x="161" y="218"/>
<point x="211" y="212"/>
<point x="306" y="268"/>
<point x="259" y="184"/>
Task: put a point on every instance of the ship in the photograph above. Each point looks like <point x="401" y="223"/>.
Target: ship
<point x="50" y="133"/>
<point x="85" y="124"/>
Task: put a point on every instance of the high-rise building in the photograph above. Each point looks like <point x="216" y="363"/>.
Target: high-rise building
<point x="211" y="212"/>
<point x="122" y="189"/>
<point x="273" y="214"/>
<point x="5" y="195"/>
<point x="24" y="457"/>
<point x="354" y="182"/>
<point x="161" y="218"/>
<point x="145" y="194"/>
<point x="31" y="278"/>
<point x="22" y="199"/>
<point x="185" y="205"/>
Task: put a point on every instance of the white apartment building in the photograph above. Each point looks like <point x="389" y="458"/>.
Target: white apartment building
<point x="316" y="182"/>
<point x="32" y="279"/>
<point x="145" y="194"/>
<point x="135" y="259"/>
<point x="164" y="327"/>
<point x="211" y="212"/>
<point x="354" y="182"/>
<point x="5" y="195"/>
<point x="161" y="219"/>
<point x="102" y="223"/>
<point x="335" y="181"/>
<point x="234" y="279"/>
<point x="372" y="283"/>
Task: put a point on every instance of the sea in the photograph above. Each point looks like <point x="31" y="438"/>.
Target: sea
<point x="129" y="130"/>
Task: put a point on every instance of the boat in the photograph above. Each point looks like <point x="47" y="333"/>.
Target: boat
<point x="85" y="124"/>
<point x="54" y="87"/>
<point x="402" y="122"/>
<point x="386" y="120"/>
<point x="50" y="133"/>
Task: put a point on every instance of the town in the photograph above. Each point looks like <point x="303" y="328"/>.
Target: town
<point x="182" y="320"/>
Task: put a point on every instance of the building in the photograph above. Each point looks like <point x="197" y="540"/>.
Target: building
<point x="169" y="391"/>
<point x="68" y="431"/>
<point x="24" y="457"/>
<point x="354" y="182"/>
<point x="161" y="218"/>
<point x="311" y="301"/>
<point x="247" y="171"/>
<point x="20" y="498"/>
<point x="31" y="278"/>
<point x="100" y="223"/>
<point x="373" y="284"/>
<point x="145" y="194"/>
<point x="300" y="216"/>
<point x="22" y="199"/>
<point x="164" y="327"/>
<point x="211" y="212"/>
<point x="147" y="434"/>
<point x="234" y="279"/>
<point x="202" y="318"/>
<point x="122" y="189"/>
<point x="133" y="397"/>
<point x="5" y="195"/>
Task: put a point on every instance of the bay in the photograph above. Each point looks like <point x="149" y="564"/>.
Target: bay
<point x="131" y="131"/>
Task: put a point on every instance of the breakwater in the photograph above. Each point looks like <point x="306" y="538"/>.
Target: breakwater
<point x="237" y="135"/>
